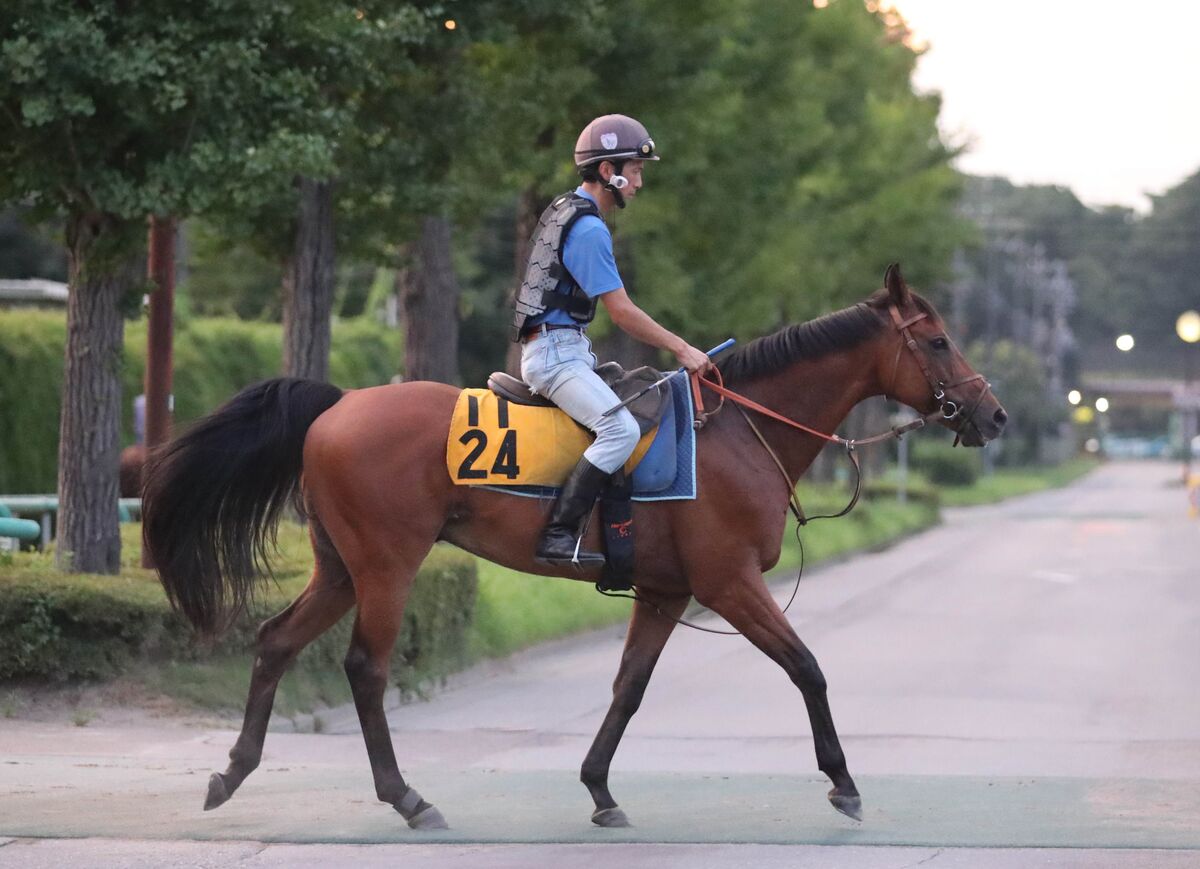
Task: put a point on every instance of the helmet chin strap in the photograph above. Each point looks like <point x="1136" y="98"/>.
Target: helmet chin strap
<point x="615" y="185"/>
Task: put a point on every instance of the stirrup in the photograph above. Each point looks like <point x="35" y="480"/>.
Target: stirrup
<point x="578" y="558"/>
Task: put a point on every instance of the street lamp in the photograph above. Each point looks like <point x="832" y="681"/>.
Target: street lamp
<point x="1125" y="343"/>
<point x="1074" y="396"/>
<point x="1187" y="327"/>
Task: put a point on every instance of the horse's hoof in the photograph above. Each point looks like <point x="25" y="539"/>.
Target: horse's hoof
<point x="851" y="806"/>
<point x="428" y="819"/>
<point x="613" y="817"/>
<point x="218" y="793"/>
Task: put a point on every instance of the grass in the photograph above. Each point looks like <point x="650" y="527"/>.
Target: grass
<point x="1011" y="482"/>
<point x="516" y="610"/>
<point x="512" y="610"/>
<point x="873" y="523"/>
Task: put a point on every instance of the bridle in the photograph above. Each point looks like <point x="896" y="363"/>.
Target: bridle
<point x="950" y="409"/>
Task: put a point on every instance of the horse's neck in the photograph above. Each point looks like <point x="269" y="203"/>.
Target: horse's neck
<point x="818" y="393"/>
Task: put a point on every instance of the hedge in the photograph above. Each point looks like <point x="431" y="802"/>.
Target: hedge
<point x="57" y="627"/>
<point x="214" y="358"/>
<point x="945" y="465"/>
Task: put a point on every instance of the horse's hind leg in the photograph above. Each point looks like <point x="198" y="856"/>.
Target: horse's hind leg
<point x="747" y="605"/>
<point x="648" y="633"/>
<point x="382" y="593"/>
<point x="326" y="598"/>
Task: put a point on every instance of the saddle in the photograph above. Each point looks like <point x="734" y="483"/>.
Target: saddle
<point x="616" y="511"/>
<point x="648" y="410"/>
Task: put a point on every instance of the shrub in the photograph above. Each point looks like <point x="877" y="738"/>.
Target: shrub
<point x="917" y="489"/>
<point x="31" y="373"/>
<point x="944" y="465"/>
<point x="57" y="627"/>
<point x="214" y="358"/>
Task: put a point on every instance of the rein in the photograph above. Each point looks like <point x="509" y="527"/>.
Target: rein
<point x="948" y="410"/>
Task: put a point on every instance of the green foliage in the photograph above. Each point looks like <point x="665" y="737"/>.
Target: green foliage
<point x="944" y="465"/>
<point x="516" y="610"/>
<point x="877" y="521"/>
<point x="1169" y="262"/>
<point x="796" y="161"/>
<point x="31" y="359"/>
<point x="214" y="358"/>
<point x="57" y="627"/>
<point x="758" y="217"/>
<point x="1011" y="482"/>
<point x="1019" y="379"/>
<point x="1131" y="273"/>
<point x="120" y="109"/>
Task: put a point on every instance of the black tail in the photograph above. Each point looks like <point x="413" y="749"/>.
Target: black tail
<point x="211" y="498"/>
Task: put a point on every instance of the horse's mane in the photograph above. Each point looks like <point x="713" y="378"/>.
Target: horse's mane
<point x="840" y="330"/>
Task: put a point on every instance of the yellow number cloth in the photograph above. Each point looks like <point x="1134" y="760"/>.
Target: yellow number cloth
<point x="495" y="442"/>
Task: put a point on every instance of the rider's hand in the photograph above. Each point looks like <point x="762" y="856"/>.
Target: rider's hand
<point x="695" y="361"/>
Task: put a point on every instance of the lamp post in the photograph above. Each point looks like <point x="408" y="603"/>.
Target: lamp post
<point x="1187" y="327"/>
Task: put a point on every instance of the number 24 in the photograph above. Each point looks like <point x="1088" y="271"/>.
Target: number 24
<point x="506" y="458"/>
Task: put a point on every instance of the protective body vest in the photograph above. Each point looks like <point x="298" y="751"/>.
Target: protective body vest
<point x="545" y="271"/>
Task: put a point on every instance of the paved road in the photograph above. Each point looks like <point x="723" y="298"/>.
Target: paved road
<point x="1022" y="677"/>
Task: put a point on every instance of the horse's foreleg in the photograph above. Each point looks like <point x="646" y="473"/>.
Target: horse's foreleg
<point x="324" y="600"/>
<point x="381" y="599"/>
<point x="648" y="633"/>
<point x="748" y="606"/>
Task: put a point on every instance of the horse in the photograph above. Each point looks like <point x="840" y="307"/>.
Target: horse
<point x="368" y="469"/>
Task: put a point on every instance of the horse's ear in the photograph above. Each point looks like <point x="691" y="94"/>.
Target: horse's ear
<point x="897" y="289"/>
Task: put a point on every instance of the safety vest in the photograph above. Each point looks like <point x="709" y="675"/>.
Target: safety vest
<point x="545" y="271"/>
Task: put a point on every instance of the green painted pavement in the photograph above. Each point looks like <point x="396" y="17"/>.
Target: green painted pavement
<point x="72" y="797"/>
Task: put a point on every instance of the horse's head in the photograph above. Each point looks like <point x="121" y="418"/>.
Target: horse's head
<point x="926" y="371"/>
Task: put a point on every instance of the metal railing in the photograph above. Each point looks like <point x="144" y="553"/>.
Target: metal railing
<point x="46" y="506"/>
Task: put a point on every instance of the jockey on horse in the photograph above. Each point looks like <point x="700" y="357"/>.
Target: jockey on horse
<point x="571" y="265"/>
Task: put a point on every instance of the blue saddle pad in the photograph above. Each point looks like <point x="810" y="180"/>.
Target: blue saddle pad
<point x="668" y="470"/>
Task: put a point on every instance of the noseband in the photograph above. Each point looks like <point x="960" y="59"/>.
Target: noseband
<point x="951" y="410"/>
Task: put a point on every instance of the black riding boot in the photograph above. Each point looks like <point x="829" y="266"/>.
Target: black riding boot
<point x="558" y="540"/>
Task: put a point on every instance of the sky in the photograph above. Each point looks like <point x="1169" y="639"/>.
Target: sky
<point x="1101" y="96"/>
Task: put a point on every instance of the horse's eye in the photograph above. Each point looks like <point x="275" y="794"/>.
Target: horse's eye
<point x="939" y="343"/>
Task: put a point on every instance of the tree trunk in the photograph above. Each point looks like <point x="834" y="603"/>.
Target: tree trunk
<point x="89" y="445"/>
<point x="529" y="209"/>
<point x="308" y="285"/>
<point x="429" y="293"/>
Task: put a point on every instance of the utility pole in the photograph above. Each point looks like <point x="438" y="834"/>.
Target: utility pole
<point x="159" y="336"/>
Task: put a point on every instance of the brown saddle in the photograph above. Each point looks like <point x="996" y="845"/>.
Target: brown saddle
<point x="647" y="409"/>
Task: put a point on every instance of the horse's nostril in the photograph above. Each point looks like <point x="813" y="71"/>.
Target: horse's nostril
<point x="1000" y="416"/>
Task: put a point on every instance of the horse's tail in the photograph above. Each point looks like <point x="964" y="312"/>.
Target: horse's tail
<point x="211" y="497"/>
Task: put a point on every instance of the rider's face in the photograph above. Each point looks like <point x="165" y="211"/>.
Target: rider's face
<point x="633" y="172"/>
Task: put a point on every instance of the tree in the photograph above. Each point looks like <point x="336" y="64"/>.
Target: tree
<point x="113" y="112"/>
<point x="1168" y="259"/>
<point x="797" y="161"/>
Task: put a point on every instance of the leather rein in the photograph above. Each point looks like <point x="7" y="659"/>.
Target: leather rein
<point x="947" y="411"/>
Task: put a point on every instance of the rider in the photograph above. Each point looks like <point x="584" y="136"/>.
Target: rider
<point x="571" y="265"/>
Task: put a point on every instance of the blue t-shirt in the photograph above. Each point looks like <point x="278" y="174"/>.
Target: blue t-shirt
<point x="588" y="256"/>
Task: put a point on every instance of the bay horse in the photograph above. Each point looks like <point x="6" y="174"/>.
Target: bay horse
<point x="369" y="468"/>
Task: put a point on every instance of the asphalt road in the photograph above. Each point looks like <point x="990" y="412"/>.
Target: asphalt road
<point x="1021" y="678"/>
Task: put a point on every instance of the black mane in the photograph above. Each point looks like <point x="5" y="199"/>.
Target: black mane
<point x="840" y="330"/>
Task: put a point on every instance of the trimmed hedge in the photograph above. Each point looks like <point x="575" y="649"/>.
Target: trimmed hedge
<point x="944" y="465"/>
<point x="214" y="358"/>
<point x="57" y="627"/>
